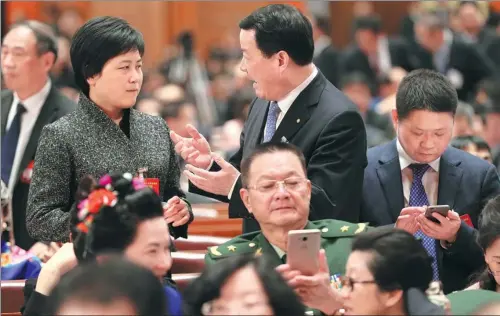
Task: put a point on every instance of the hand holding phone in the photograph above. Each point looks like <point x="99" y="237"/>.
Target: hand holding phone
<point x="302" y="250"/>
<point x="441" y="209"/>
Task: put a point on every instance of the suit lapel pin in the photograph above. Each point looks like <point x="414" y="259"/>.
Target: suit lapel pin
<point x="298" y="121"/>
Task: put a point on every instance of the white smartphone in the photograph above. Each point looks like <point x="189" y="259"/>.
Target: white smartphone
<point x="302" y="250"/>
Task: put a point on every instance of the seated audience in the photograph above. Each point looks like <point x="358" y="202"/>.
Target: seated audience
<point x="115" y="287"/>
<point x="387" y="273"/>
<point x="474" y="145"/>
<point x="277" y="193"/>
<point x="356" y="87"/>
<point x="120" y="215"/>
<point x="241" y="285"/>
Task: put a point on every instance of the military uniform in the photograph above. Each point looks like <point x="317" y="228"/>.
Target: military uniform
<point x="336" y="239"/>
<point x="468" y="302"/>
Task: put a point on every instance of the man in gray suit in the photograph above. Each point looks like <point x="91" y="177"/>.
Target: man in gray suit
<point x="29" y="51"/>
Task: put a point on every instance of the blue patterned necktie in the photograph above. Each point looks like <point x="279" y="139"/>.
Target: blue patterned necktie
<point x="9" y="144"/>
<point x="272" y="118"/>
<point x="418" y="197"/>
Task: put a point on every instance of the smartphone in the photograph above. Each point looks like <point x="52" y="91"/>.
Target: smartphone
<point x="441" y="209"/>
<point x="302" y="250"/>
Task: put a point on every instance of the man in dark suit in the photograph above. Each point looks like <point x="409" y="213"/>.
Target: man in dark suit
<point x="325" y="55"/>
<point x="437" y="48"/>
<point x="419" y="169"/>
<point x="28" y="52"/>
<point x="372" y="53"/>
<point x="296" y="104"/>
<point x="476" y="32"/>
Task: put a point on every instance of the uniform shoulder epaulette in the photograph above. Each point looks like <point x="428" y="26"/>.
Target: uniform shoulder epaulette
<point x="331" y="228"/>
<point x="239" y="245"/>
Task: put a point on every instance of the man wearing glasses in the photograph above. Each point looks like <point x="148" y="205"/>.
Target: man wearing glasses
<point x="277" y="193"/>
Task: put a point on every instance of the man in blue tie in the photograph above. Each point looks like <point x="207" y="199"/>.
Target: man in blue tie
<point x="295" y="103"/>
<point x="419" y="169"/>
<point x="29" y="51"/>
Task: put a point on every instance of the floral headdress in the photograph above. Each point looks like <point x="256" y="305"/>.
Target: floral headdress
<point x="103" y="195"/>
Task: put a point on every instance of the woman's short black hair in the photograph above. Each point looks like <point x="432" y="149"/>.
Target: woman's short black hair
<point x="207" y="287"/>
<point x="400" y="261"/>
<point x="114" y="228"/>
<point x="281" y="27"/>
<point x="104" y="283"/>
<point x="489" y="232"/>
<point x="99" y="40"/>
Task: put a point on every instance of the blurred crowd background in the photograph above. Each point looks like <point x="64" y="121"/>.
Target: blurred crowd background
<point x="192" y="59"/>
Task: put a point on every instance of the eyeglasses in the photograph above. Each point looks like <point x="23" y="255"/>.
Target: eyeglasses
<point x="290" y="184"/>
<point x="348" y="282"/>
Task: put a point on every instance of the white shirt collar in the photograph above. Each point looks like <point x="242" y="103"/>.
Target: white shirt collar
<point x="285" y="103"/>
<point x="278" y="250"/>
<point x="34" y="103"/>
<point x="405" y="160"/>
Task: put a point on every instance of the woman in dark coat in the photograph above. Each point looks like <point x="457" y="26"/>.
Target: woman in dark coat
<point x="104" y="134"/>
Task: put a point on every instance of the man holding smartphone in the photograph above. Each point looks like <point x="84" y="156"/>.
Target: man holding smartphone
<point x="277" y="192"/>
<point x="419" y="169"/>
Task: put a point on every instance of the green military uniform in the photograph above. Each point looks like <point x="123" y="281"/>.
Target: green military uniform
<point x="336" y="239"/>
<point x="468" y="302"/>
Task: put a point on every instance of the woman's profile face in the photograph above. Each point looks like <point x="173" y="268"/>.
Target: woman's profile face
<point x="151" y="247"/>
<point x="360" y="294"/>
<point x="492" y="257"/>
<point x="119" y="82"/>
<point x="242" y="294"/>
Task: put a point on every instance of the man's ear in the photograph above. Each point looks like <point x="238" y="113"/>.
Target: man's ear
<point x="245" y="197"/>
<point x="395" y="119"/>
<point x="392" y="298"/>
<point x="92" y="80"/>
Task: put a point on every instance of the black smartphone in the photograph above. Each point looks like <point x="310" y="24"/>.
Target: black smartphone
<point x="441" y="209"/>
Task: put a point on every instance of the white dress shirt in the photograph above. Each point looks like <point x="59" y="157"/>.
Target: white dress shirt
<point x="33" y="106"/>
<point x="280" y="252"/>
<point x="285" y="104"/>
<point x="430" y="180"/>
<point x="384" y="55"/>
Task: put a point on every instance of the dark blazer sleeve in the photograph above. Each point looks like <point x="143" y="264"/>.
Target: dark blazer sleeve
<point x="483" y="67"/>
<point x="47" y="214"/>
<point x="490" y="187"/>
<point x="466" y="250"/>
<point x="336" y="169"/>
